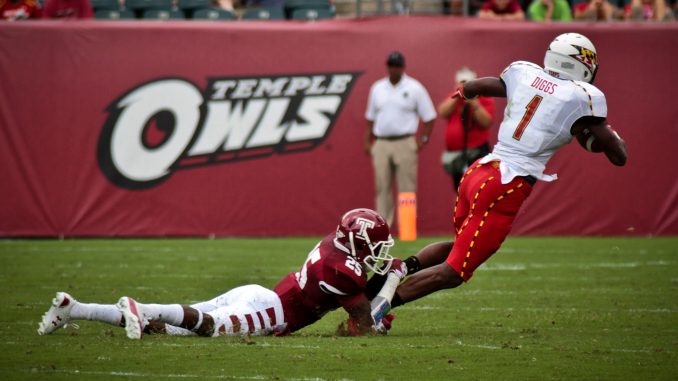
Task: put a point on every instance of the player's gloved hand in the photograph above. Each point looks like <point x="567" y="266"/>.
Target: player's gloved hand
<point x="459" y="93"/>
<point x="399" y="268"/>
<point x="385" y="324"/>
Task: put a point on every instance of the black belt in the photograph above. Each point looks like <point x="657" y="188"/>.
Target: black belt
<point x="530" y="179"/>
<point x="394" y="137"/>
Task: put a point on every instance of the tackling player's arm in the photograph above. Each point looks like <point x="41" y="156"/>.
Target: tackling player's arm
<point x="360" y="320"/>
<point x="595" y="135"/>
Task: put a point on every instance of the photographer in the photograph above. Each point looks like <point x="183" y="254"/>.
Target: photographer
<point x="467" y="133"/>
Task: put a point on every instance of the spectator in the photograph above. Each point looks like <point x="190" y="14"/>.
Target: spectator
<point x="395" y="105"/>
<point x="596" y="10"/>
<point x="68" y="9"/>
<point x="468" y="128"/>
<point x="501" y="10"/>
<point x="647" y="10"/>
<point x="456" y="7"/>
<point x="226" y="5"/>
<point x="550" y="10"/>
<point x="453" y="7"/>
<point x="263" y="3"/>
<point x="13" y="10"/>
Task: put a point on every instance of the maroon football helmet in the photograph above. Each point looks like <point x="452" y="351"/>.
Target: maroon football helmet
<point x="367" y="236"/>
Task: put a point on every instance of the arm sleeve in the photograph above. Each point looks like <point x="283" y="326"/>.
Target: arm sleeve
<point x="511" y="75"/>
<point x="592" y="100"/>
<point x="425" y="108"/>
<point x="371" y="112"/>
<point x="599" y="106"/>
<point x="508" y="76"/>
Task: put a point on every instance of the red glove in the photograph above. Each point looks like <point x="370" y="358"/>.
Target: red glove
<point x="387" y="321"/>
<point x="459" y="93"/>
<point x="385" y="324"/>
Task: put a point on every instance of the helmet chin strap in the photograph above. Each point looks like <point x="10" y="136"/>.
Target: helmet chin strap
<point x="350" y="239"/>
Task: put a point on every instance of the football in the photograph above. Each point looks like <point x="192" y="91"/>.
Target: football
<point x="587" y="141"/>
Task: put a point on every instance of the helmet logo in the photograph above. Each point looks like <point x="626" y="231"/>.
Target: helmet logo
<point x="364" y="225"/>
<point x="585" y="56"/>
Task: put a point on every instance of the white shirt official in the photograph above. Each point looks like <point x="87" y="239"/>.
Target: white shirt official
<point x="396" y="109"/>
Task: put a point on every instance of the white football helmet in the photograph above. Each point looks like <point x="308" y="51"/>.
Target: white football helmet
<point x="572" y="56"/>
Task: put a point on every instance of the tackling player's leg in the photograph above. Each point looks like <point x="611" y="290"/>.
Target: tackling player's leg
<point x="250" y="309"/>
<point x="65" y="309"/>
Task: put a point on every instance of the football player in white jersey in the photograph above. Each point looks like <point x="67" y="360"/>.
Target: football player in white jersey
<point x="546" y="108"/>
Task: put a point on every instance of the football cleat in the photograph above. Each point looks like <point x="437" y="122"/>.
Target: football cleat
<point x="59" y="315"/>
<point x="134" y="317"/>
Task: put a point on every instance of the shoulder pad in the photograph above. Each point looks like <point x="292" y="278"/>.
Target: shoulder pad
<point x="593" y="99"/>
<point x="521" y="64"/>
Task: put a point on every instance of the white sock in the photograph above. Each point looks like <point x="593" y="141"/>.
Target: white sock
<point x="172" y="314"/>
<point x="178" y="331"/>
<point x="106" y="313"/>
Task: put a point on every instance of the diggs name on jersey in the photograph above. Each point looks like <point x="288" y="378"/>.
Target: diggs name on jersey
<point x="543" y="85"/>
<point x="170" y="124"/>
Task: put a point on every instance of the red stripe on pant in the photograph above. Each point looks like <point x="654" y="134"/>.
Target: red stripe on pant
<point x="236" y="323"/>
<point x="271" y="316"/>
<point x="261" y="320"/>
<point x="250" y="322"/>
<point x="487" y="208"/>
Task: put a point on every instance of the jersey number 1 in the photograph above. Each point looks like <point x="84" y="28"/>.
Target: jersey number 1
<point x="530" y="109"/>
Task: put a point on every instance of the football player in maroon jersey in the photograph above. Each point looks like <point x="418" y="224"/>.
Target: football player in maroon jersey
<point x="334" y="275"/>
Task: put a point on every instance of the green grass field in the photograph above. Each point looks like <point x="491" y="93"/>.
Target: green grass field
<point x="567" y="308"/>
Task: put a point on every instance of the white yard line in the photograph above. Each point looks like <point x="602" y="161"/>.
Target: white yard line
<point x="503" y="267"/>
<point x="155" y="375"/>
<point x="481" y="346"/>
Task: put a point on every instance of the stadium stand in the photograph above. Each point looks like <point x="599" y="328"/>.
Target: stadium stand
<point x="213" y="14"/>
<point x="190" y="7"/>
<point x="145" y="5"/>
<point x="99" y="5"/>
<point x="312" y="14"/>
<point x="163" y="14"/>
<point x="194" y="4"/>
<point x="530" y="10"/>
<point x="264" y="14"/>
<point x="114" y="14"/>
<point x="320" y="6"/>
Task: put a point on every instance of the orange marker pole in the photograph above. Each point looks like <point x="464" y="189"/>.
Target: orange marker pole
<point x="407" y="216"/>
